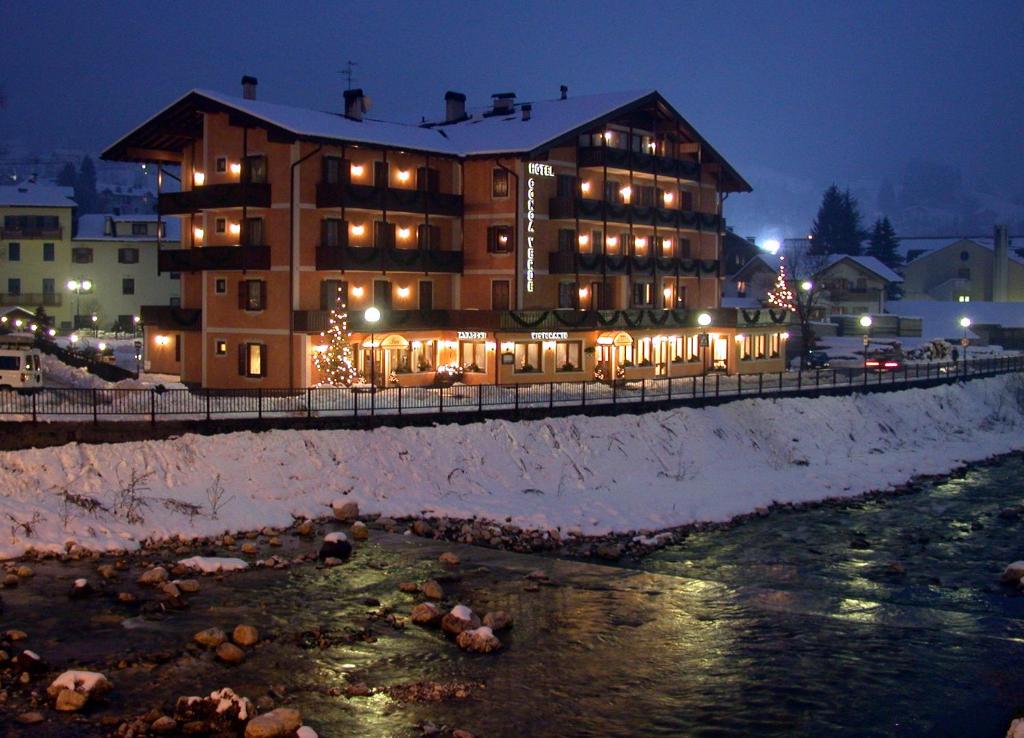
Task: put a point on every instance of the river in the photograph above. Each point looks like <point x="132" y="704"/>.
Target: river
<point x="877" y="617"/>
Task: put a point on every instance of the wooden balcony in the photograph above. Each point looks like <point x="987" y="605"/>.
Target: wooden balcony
<point x="170" y="318"/>
<point x="567" y="208"/>
<point x="560" y="262"/>
<point x="315" y="321"/>
<point x="215" y="196"/>
<point x="214" y="258"/>
<point x="387" y="198"/>
<point x="46" y="299"/>
<point x="388" y="259"/>
<point x="600" y="156"/>
<point x="31" y="232"/>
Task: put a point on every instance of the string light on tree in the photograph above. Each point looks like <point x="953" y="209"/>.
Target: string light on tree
<point x="781" y="295"/>
<point x="336" y="362"/>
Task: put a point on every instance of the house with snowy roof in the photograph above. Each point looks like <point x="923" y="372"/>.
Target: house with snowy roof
<point x="964" y="270"/>
<point x="522" y="241"/>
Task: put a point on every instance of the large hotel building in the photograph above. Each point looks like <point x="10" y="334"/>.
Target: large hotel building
<point x="561" y="239"/>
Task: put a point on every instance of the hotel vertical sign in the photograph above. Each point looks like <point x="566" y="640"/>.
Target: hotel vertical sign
<point x="535" y="170"/>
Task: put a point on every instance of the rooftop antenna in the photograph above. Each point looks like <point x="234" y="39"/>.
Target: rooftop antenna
<point x="347" y="73"/>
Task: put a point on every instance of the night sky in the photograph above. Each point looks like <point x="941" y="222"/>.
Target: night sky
<point x="795" y="95"/>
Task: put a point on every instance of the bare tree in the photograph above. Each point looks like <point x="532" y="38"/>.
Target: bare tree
<point x="797" y="290"/>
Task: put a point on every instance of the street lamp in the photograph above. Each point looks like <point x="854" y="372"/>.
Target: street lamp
<point x="371" y="316"/>
<point x="704" y="320"/>
<point x="865" y="323"/>
<point x="78" y="286"/>
<point x="807" y="285"/>
<point x="965" y="323"/>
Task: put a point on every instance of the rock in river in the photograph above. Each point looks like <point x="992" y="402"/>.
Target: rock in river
<point x="481" y="640"/>
<point x="335" y="546"/>
<point x="280" y="723"/>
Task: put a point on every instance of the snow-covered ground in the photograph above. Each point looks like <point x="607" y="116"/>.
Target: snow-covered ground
<point x="591" y="475"/>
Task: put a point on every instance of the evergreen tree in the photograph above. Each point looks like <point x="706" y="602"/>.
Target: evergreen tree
<point x="884" y="245"/>
<point x="837" y="228"/>
<point x="67" y="175"/>
<point x="336" y="362"/>
<point x="781" y="294"/>
<point x="85" y="187"/>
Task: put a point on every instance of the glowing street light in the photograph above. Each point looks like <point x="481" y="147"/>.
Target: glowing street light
<point x="965" y="323"/>
<point x="865" y="323"/>
<point x="807" y="285"/>
<point x="78" y="286"/>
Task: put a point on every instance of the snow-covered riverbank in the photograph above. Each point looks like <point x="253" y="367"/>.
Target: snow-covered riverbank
<point x="590" y="475"/>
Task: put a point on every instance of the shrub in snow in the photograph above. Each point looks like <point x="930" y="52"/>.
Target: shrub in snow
<point x="335" y="546"/>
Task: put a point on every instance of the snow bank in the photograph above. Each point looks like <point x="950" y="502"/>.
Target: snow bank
<point x="593" y="475"/>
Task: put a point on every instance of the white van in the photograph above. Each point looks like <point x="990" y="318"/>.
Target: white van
<point x="20" y="366"/>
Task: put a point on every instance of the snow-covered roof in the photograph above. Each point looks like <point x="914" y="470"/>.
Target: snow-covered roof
<point x="941" y="318"/>
<point x="93" y="227"/>
<point x="30" y="194"/>
<point x="929" y="246"/>
<point x="867" y="262"/>
<point x="763" y="259"/>
<point x="479" y="135"/>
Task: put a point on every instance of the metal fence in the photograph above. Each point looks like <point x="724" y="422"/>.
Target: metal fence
<point x="156" y="404"/>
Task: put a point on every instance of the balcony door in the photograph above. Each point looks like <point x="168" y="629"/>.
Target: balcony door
<point x="426" y="295"/>
<point x="253" y="234"/>
<point x="255" y="169"/>
<point x="500" y="295"/>
<point x="382" y="294"/>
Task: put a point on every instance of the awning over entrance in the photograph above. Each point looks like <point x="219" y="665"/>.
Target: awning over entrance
<point x="394" y="341"/>
<point x="617" y="338"/>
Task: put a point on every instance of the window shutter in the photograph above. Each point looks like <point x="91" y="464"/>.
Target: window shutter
<point x="242" y="292"/>
<point x="325" y="294"/>
<point x="263" y="359"/>
<point x="492" y="239"/>
<point x="241" y="359"/>
<point x="263" y="295"/>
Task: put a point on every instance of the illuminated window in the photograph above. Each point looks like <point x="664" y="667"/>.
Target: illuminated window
<point x="252" y="359"/>
<point x="222" y="164"/>
<point x="220" y="286"/>
<point x="643" y="294"/>
<point x="963" y="298"/>
<point x="774" y="344"/>
<point x="528" y="358"/>
<point x="221" y="347"/>
<point x="473" y="356"/>
<point x="499" y="239"/>
<point x="568" y="356"/>
<point x="252" y="294"/>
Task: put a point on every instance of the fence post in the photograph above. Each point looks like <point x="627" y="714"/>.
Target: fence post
<point x="799" y="379"/>
<point x="780" y="381"/>
<point x="615" y="391"/>
<point x="34" y="406"/>
<point x="207" y="404"/>
<point x="152" y="406"/>
<point x="440" y="400"/>
<point x="643" y="391"/>
<point x="693" y="385"/>
<point x="817" y="379"/>
<point x="95" y="399"/>
<point x="583" y="395"/>
<point x="669" y="380"/>
<point x="865" y="375"/>
<point x="760" y="384"/>
<point x="739" y="385"/>
<point x="399" y="399"/>
<point x="480" y="398"/>
<point x="551" y="395"/>
<point x="718" y="382"/>
<point x="516" y="385"/>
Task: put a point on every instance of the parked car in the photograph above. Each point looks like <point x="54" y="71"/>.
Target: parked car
<point x="20" y="366"/>
<point x="818" y="360"/>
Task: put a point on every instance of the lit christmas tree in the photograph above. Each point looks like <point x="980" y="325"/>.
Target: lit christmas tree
<point x="781" y="296"/>
<point x="335" y="363"/>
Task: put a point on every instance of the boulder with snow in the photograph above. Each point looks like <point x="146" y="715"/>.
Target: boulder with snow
<point x="347" y="511"/>
<point x="1013" y="573"/>
<point x="72" y="690"/>
<point x="426" y="613"/>
<point x="481" y="640"/>
<point x="459" y="619"/>
<point x="1016" y="729"/>
<point x="156" y="575"/>
<point x="335" y="546"/>
<point x="360" y="532"/>
<point x="213" y="564"/>
<point x="280" y="723"/>
<point x="222" y="712"/>
<point x="80" y="588"/>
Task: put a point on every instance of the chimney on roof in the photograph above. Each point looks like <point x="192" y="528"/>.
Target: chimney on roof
<point x="454" y="106"/>
<point x="565" y="91"/>
<point x="503" y="102"/>
<point x="527" y="110"/>
<point x="355" y="104"/>
<point x="249" y="87"/>
<point x="1000" y="263"/>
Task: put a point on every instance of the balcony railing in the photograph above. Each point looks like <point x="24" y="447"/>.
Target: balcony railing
<point x="567" y="208"/>
<point x="170" y="318"/>
<point x="561" y="262"/>
<point x="373" y="258"/>
<point x="599" y="156"/>
<point x="329" y="195"/>
<point x="210" y="197"/>
<point x="213" y="258"/>
<point x="46" y="299"/>
<point x="314" y="321"/>
<point x="32" y="232"/>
